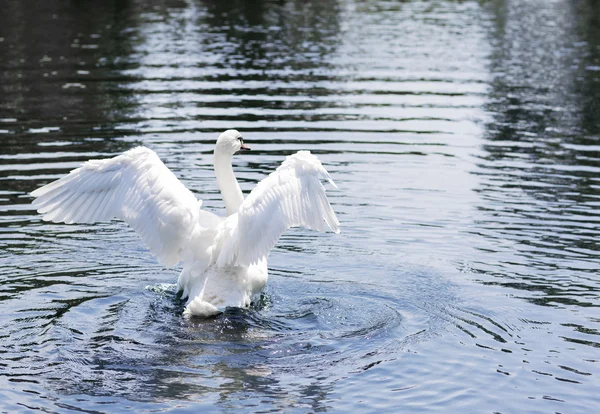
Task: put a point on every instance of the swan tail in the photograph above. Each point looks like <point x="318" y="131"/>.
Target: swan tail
<point x="200" y="308"/>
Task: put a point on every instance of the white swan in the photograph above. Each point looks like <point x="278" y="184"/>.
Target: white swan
<point x="224" y="258"/>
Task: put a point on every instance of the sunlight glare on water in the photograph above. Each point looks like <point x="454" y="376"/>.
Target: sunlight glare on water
<point x="463" y="137"/>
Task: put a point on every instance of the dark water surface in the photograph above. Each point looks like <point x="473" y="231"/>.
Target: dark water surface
<point x="464" y="138"/>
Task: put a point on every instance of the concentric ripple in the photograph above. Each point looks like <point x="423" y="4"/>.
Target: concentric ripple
<point x="463" y="137"/>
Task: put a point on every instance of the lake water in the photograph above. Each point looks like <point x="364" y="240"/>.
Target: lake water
<point x="465" y="141"/>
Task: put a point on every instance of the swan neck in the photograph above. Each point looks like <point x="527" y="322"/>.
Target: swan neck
<point x="230" y="189"/>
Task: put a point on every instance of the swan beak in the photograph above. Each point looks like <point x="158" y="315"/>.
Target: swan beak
<point x="245" y="147"/>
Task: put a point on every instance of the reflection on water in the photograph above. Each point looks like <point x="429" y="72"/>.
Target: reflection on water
<point x="539" y="169"/>
<point x="462" y="135"/>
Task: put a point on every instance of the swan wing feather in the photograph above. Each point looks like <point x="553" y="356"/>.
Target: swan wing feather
<point x="291" y="196"/>
<point x="135" y="187"/>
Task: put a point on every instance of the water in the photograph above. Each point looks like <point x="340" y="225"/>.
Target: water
<point x="464" y="138"/>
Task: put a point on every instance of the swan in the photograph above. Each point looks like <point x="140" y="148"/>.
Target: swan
<point x="224" y="258"/>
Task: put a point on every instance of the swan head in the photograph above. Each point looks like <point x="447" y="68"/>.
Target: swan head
<point x="230" y="142"/>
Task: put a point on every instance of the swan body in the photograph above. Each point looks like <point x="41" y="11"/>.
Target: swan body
<point x="224" y="258"/>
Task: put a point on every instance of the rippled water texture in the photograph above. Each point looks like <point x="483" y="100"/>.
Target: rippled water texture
<point x="463" y="136"/>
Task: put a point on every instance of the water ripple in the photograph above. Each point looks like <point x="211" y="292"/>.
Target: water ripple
<point x="465" y="274"/>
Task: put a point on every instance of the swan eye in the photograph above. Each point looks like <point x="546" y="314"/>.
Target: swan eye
<point x="241" y="139"/>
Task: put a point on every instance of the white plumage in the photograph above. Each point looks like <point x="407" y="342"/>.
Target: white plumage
<point x="224" y="258"/>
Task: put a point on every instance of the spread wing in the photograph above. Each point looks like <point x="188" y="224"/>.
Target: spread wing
<point x="135" y="187"/>
<point x="291" y="196"/>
